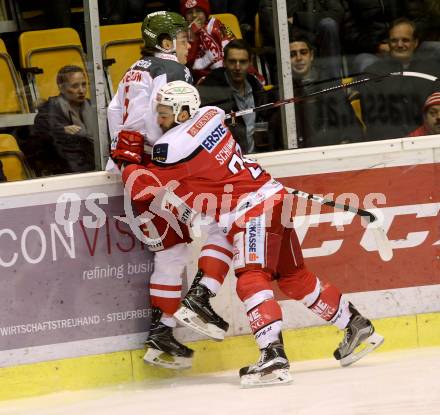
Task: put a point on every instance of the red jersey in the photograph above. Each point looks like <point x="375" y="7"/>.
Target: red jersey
<point x="202" y="164"/>
<point x="207" y="46"/>
<point x="419" y="132"/>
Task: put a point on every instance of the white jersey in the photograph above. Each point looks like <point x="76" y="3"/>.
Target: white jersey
<point x="133" y="108"/>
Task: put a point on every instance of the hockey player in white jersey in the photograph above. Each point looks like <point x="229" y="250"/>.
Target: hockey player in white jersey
<point x="200" y="161"/>
<point x="132" y="120"/>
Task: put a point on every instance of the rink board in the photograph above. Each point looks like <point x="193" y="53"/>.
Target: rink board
<point x="84" y="326"/>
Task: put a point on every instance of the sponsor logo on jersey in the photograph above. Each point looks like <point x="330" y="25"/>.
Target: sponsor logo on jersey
<point x="324" y="310"/>
<point x="211" y="141"/>
<point x="186" y="215"/>
<point x="255" y="235"/>
<point x="142" y="64"/>
<point x="252" y="240"/>
<point x="202" y="121"/>
<point x="160" y="152"/>
<point x="256" y="320"/>
<point x="264" y="332"/>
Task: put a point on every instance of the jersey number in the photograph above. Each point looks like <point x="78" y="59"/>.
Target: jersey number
<point x="238" y="163"/>
<point x="126" y="102"/>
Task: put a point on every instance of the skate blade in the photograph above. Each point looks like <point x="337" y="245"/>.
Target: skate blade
<point x="159" y="358"/>
<point x="190" y="319"/>
<point x="370" y="343"/>
<point x="277" y="377"/>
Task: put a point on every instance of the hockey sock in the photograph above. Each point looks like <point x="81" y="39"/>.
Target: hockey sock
<point x="214" y="261"/>
<point x="331" y="307"/>
<point x="266" y="322"/>
<point x="168" y="320"/>
<point x="211" y="283"/>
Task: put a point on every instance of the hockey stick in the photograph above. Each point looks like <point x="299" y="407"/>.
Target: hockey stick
<point x="281" y="102"/>
<point x="380" y="237"/>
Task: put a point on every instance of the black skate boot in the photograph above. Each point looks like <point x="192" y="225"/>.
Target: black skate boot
<point x="196" y="312"/>
<point x="359" y="331"/>
<point x="163" y="349"/>
<point x="271" y="369"/>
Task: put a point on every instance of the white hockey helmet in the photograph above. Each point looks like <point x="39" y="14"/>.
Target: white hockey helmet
<point x="178" y="95"/>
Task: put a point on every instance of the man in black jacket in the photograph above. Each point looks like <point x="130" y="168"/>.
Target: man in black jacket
<point x="232" y="88"/>
<point x="391" y="108"/>
<point x="367" y="22"/>
<point x="65" y="125"/>
<point x="319" y="20"/>
<point x="323" y="120"/>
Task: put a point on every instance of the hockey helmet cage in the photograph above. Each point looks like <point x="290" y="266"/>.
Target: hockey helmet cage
<point x="162" y="23"/>
<point x="179" y="94"/>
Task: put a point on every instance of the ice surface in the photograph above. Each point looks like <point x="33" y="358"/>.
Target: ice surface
<point x="392" y="383"/>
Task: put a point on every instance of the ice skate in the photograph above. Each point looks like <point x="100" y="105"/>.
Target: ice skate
<point x="163" y="349"/>
<point x="359" y="339"/>
<point x="196" y="312"/>
<point x="271" y="369"/>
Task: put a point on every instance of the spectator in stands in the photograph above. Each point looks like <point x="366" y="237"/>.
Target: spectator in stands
<point x="367" y="23"/>
<point x="208" y="37"/>
<point x="244" y="10"/>
<point x="2" y="174"/>
<point x="121" y="11"/>
<point x="65" y="122"/>
<point x="326" y="119"/>
<point x="365" y="31"/>
<point x="391" y="108"/>
<point x="127" y="11"/>
<point x="233" y="88"/>
<point x="319" y="21"/>
<point x="427" y="17"/>
<point x="431" y="117"/>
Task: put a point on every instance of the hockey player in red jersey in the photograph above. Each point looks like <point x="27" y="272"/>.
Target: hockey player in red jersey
<point x="133" y="127"/>
<point x="201" y="166"/>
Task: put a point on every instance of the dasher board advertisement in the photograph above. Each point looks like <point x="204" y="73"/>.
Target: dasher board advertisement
<point x="69" y="279"/>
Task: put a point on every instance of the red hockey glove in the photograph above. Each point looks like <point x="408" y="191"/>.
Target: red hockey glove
<point x="129" y="148"/>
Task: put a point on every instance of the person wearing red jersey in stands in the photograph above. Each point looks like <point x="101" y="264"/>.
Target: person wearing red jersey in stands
<point x="431" y="117"/>
<point x="208" y="37"/>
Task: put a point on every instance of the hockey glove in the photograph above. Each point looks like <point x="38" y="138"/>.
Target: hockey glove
<point x="129" y="148"/>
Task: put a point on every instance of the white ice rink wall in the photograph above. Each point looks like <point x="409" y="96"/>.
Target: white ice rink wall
<point x="74" y="279"/>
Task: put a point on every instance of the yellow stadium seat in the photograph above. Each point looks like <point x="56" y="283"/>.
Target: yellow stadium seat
<point x="355" y="102"/>
<point x="231" y="21"/>
<point x="13" y="97"/>
<point x="13" y="161"/>
<point x="258" y="37"/>
<point x="121" y="47"/>
<point x="43" y="53"/>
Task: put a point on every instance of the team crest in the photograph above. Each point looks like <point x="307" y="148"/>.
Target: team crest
<point x="160" y="152"/>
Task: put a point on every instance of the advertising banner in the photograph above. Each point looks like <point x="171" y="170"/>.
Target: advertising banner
<point x="70" y="271"/>
<point x="337" y="246"/>
<point x="74" y="278"/>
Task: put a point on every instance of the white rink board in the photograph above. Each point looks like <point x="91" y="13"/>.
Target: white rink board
<point x="376" y="304"/>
